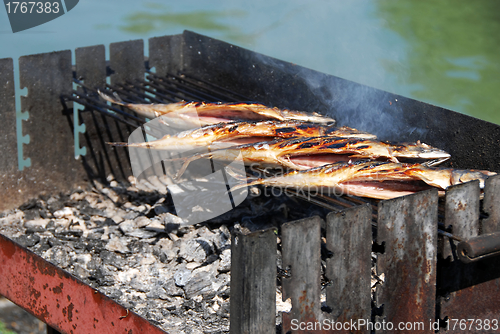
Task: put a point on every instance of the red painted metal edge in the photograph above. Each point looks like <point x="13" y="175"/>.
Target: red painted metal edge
<point x="59" y="299"/>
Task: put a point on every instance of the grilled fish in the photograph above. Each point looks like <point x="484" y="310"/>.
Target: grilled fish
<point x="203" y="113"/>
<point x="375" y="179"/>
<point x="304" y="153"/>
<point x="243" y="132"/>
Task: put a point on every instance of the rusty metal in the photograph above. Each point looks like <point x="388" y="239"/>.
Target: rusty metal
<point x="59" y="299"/>
<point x="478" y="248"/>
<point x="407" y="229"/>
<point x="8" y="163"/>
<point x="349" y="238"/>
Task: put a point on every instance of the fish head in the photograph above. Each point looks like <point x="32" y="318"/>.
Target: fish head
<point x="462" y="176"/>
<point x="419" y="150"/>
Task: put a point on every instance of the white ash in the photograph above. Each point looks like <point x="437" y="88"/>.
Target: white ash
<point x="114" y="239"/>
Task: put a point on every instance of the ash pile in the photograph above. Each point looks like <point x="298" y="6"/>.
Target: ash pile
<point x="123" y="240"/>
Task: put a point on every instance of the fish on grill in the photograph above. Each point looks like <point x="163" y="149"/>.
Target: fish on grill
<point x="374" y="179"/>
<point x="204" y="113"/>
<point x="304" y="153"/>
<point x="244" y="132"/>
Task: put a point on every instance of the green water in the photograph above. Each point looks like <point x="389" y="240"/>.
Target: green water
<point x="454" y="54"/>
<point x="443" y="52"/>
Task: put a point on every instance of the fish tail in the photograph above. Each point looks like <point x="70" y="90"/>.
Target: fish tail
<point x="245" y="184"/>
<point x="116" y="99"/>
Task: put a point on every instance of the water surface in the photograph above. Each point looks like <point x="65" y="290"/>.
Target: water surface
<point x="443" y="52"/>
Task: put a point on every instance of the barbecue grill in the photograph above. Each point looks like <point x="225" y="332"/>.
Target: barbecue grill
<point x="437" y="256"/>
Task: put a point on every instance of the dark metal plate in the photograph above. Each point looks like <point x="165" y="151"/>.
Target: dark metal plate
<point x="301" y="249"/>
<point x="349" y="238"/>
<point x="407" y="227"/>
<point x="253" y="282"/>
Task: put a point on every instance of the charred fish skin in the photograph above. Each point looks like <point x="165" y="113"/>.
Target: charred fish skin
<point x="369" y="178"/>
<point x="226" y="132"/>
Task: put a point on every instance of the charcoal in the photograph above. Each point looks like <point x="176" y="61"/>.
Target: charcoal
<point x="127" y="226"/>
<point x="122" y="249"/>
<point x="156" y="292"/>
<point x="195" y="250"/>
<point x="131" y="215"/>
<point x="65" y="212"/>
<point x="142" y="234"/>
<point x="32" y="214"/>
<point x="61" y="256"/>
<point x="55" y="204"/>
<point x="112" y="259"/>
<point x="142" y="221"/>
<point x="54" y="242"/>
<point x="138" y="285"/>
<point x="171" y="289"/>
<point x="114" y="293"/>
<point x="36" y="225"/>
<point x="94" y="245"/>
<point x="28" y="240"/>
<point x="80" y="271"/>
<point x="222" y="239"/>
<point x="42" y="246"/>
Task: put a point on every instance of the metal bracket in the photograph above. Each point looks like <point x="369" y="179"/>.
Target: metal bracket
<point x="478" y="248"/>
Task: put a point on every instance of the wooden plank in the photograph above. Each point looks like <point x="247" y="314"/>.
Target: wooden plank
<point x="407" y="227"/>
<point x="253" y="282"/>
<point x="349" y="238"/>
<point x="301" y="249"/>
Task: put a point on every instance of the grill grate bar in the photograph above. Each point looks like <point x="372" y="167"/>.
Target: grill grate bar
<point x="218" y="93"/>
<point x="100" y="109"/>
<point x="160" y="95"/>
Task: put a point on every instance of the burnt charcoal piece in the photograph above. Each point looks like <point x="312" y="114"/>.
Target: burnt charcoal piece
<point x="28" y="240"/>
